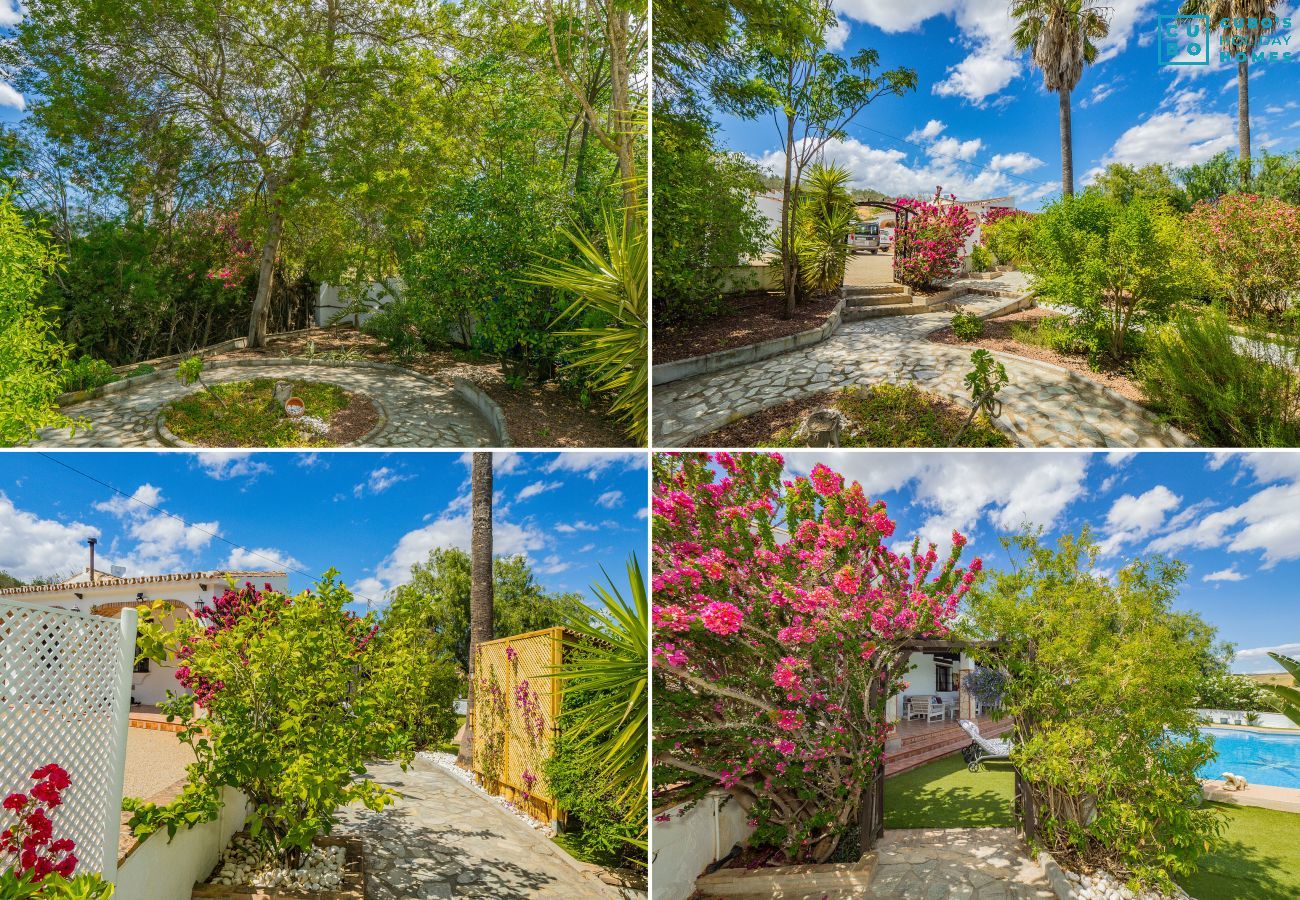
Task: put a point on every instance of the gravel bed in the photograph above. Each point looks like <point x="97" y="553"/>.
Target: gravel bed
<point x="245" y="862"/>
<point x="1104" y="886"/>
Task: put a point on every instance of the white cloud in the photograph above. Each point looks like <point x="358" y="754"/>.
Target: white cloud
<point x="379" y="480"/>
<point x="554" y="565"/>
<point x="573" y="527"/>
<point x="1228" y="574"/>
<point x="538" y="487"/>
<point x="1011" y="489"/>
<point x="311" y="460"/>
<point x="1099" y="93"/>
<point x="163" y="543"/>
<point x="1182" y="131"/>
<point x="592" y="464"/>
<point x="1256" y="659"/>
<point x="930" y="131"/>
<point x="586" y="548"/>
<point x="32" y="547"/>
<point x="261" y="559"/>
<point x="1018" y="163"/>
<point x="224" y="465"/>
<point x="837" y="35"/>
<point x="450" y="529"/>
<point x="892" y="172"/>
<point x="1132" y="518"/>
<point x="950" y="146"/>
<point x="610" y="499"/>
<point x="10" y="97"/>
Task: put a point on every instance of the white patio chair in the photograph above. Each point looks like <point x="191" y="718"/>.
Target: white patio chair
<point x="928" y="708"/>
<point x="982" y="748"/>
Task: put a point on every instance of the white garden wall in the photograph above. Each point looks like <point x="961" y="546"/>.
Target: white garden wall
<point x="1238" y="717"/>
<point x="158" y="869"/>
<point x="687" y="844"/>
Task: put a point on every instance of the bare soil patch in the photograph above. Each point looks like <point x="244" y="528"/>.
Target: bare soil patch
<point x="753" y="318"/>
<point x="545" y="415"/>
<point x="998" y="336"/>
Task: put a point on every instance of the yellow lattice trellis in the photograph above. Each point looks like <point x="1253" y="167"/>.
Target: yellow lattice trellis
<point x="515" y="715"/>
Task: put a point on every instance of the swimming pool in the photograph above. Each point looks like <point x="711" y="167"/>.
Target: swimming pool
<point x="1259" y="757"/>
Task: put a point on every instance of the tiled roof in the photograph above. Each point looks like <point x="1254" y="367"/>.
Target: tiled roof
<point x="111" y="582"/>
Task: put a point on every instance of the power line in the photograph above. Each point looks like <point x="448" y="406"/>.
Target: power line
<point x="277" y="562"/>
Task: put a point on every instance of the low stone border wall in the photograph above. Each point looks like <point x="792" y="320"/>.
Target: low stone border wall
<point x="487" y="407"/>
<point x="678" y="369"/>
<point x="828" y="880"/>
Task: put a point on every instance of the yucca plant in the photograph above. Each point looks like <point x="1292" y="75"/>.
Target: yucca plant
<point x="610" y="280"/>
<point x="825" y="220"/>
<point x="1288" y="695"/>
<point x="609" y="658"/>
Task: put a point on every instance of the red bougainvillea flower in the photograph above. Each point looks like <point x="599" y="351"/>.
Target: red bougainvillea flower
<point x="15" y="802"/>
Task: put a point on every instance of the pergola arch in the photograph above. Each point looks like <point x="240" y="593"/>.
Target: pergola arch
<point x="902" y="214"/>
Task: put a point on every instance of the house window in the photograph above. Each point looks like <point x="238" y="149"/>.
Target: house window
<point x="142" y="663"/>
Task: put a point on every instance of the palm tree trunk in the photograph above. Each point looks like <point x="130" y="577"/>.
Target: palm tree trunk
<point x="1067" y="147"/>
<point x="480" y="588"/>
<point x="1243" y="119"/>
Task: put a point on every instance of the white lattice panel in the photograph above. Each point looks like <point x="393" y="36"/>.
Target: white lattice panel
<point x="65" y="693"/>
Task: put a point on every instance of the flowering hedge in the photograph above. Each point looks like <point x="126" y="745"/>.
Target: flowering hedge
<point x="1252" y="245"/>
<point x="33" y="862"/>
<point x="929" y="245"/>
<point x="780" y="618"/>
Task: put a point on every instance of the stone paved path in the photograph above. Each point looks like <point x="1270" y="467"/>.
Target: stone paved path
<point x="442" y="839"/>
<point x="420" y="413"/>
<point x="957" y="864"/>
<point x="1043" y="406"/>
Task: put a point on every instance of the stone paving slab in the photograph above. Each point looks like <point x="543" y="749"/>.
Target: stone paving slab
<point x="420" y="413"/>
<point x="957" y="864"/>
<point x="440" y="839"/>
<point x="1043" y="405"/>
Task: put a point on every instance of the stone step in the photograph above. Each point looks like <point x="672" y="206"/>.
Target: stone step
<point x="856" y="302"/>
<point x="858" y="313"/>
<point x="876" y="290"/>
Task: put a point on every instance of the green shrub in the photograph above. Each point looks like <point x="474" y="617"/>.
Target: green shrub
<point x="967" y="326"/>
<point x="1053" y="332"/>
<point x="981" y="258"/>
<point x="1226" y="690"/>
<point x="1226" y="391"/>
<point x="824" y="218"/>
<point x="1103" y="674"/>
<point x="1122" y="266"/>
<point x="1009" y="238"/>
<point x="395" y="326"/>
<point x="705" y="217"/>
<point x="142" y="369"/>
<point x="87" y="373"/>
<point x="1252" y="246"/>
<point x="275" y="709"/>
<point x="31" y="355"/>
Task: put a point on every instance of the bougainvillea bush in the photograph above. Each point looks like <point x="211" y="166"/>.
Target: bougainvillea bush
<point x="780" y="616"/>
<point x="1252" y="245"/>
<point x="929" y="244"/>
<point x="33" y="862"/>
<point x="281" y="705"/>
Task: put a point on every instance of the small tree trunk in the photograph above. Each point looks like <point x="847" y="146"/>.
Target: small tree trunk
<point x="266" y="274"/>
<point x="480" y="588"/>
<point x="1243" y="119"/>
<point x="787" y="221"/>
<point x="1067" y="145"/>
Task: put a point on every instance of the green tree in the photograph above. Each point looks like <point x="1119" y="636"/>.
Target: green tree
<point x="418" y="672"/>
<point x="706" y="219"/>
<point x="1120" y="266"/>
<point x="439" y="588"/>
<point x="1103" y="673"/>
<point x="267" y="86"/>
<point x="1288" y="695"/>
<point x="1224" y="16"/>
<point x="31" y="355"/>
<point x="811" y="94"/>
<point x="1153" y="181"/>
<point x="1059" y="35"/>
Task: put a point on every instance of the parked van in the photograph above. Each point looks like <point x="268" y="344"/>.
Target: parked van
<point x="864" y="236"/>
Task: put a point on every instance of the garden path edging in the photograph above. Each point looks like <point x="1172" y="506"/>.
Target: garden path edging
<point x="678" y="369"/>
<point x="487" y="407"/>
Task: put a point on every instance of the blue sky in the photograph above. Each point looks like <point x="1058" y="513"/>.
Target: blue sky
<point x="370" y="515"/>
<point x="981" y="125"/>
<point x="1234" y="519"/>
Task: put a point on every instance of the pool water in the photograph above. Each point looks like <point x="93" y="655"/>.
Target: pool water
<point x="1260" y="758"/>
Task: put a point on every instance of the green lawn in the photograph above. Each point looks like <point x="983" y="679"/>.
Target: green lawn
<point x="1258" y="860"/>
<point x="944" y="794"/>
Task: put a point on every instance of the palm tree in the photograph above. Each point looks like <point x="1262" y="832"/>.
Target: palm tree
<point x="825" y="220"/>
<point x="1060" y="35"/>
<point x="480" y="587"/>
<point x="1241" y="41"/>
<point x="1288" y="696"/>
